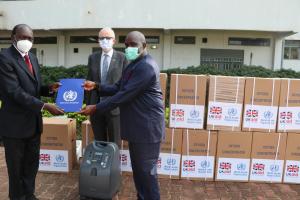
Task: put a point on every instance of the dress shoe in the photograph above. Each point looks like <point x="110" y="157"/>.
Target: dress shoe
<point x="31" y="197"/>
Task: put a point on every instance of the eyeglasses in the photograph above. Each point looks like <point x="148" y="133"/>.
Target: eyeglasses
<point x="102" y="38"/>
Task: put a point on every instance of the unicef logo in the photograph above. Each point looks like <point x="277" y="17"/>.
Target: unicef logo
<point x="59" y="158"/>
<point x="241" y="166"/>
<point x="205" y="164"/>
<point x="171" y="161"/>
<point x="232" y="112"/>
<point x="274" y="168"/>
<point x="70" y="95"/>
<point x="194" y="113"/>
<point x="268" y="115"/>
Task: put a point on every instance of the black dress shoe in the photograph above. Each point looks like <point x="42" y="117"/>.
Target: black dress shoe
<point x="31" y="197"/>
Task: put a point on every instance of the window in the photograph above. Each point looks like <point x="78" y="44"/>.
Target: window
<point x="185" y="40"/>
<point x="292" y="49"/>
<point x="5" y="40"/>
<point x="94" y="49"/>
<point x="83" y="39"/>
<point x="249" y="41"/>
<point x="45" y="40"/>
<point x="149" y="39"/>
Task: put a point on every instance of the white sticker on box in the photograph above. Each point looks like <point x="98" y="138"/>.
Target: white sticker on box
<point x="291" y="172"/>
<point x="224" y="114"/>
<point x="289" y="118"/>
<point x="233" y="169"/>
<point x="263" y="117"/>
<point x="125" y="161"/>
<point x="168" y="164"/>
<point x="266" y="170"/>
<point x="186" y="116"/>
<point x="197" y="166"/>
<point x="54" y="160"/>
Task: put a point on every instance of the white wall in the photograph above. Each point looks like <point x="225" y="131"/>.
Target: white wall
<point x="266" y="15"/>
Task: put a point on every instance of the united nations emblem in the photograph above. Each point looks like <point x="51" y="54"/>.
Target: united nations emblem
<point x="70" y="95"/>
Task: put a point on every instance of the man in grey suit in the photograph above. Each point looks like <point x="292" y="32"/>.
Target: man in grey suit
<point x="105" y="67"/>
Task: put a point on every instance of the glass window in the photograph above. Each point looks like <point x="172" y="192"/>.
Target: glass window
<point x="149" y="39"/>
<point x="249" y="41"/>
<point x="83" y="39"/>
<point x="185" y="40"/>
<point x="292" y="50"/>
<point x="45" y="40"/>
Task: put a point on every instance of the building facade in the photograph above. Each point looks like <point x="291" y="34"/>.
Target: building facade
<point x="220" y="33"/>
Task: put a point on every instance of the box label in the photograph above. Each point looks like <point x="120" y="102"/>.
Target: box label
<point x="224" y="114"/>
<point x="125" y="161"/>
<point x="289" y="118"/>
<point x="291" y="172"/>
<point x="263" y="117"/>
<point x="266" y="170"/>
<point x="186" y="116"/>
<point x="233" y="169"/>
<point x="197" y="166"/>
<point x="168" y="164"/>
<point x="54" y="160"/>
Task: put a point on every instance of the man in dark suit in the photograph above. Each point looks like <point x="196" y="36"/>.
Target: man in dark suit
<point x="105" y="67"/>
<point x="139" y="96"/>
<point x="20" y="114"/>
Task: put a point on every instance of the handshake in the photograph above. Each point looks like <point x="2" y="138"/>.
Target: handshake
<point x="55" y="110"/>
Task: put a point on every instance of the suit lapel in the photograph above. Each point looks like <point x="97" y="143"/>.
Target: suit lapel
<point x="97" y="65"/>
<point x="112" y="64"/>
<point x="23" y="65"/>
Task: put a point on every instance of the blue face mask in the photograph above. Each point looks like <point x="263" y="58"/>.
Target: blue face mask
<point x="132" y="53"/>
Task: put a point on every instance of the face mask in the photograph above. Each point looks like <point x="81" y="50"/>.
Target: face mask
<point x="132" y="53"/>
<point x="24" y="45"/>
<point x="105" y="44"/>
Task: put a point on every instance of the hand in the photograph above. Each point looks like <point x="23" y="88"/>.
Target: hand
<point x="53" y="109"/>
<point x="89" y="85"/>
<point x="88" y="110"/>
<point x="54" y="87"/>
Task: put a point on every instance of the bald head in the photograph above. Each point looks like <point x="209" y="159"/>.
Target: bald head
<point x="137" y="37"/>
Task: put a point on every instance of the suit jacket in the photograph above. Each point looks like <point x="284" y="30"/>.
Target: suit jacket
<point x="117" y="64"/>
<point x="20" y="113"/>
<point x="139" y="96"/>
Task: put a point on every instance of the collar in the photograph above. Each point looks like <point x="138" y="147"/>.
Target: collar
<point x="22" y="54"/>
<point x="110" y="53"/>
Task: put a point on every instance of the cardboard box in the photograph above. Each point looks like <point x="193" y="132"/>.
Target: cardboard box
<point x="233" y="156"/>
<point x="226" y="96"/>
<point x="163" y="84"/>
<point x="187" y="101"/>
<point x="87" y="134"/>
<point x="198" y="158"/>
<point x="292" y="159"/>
<point x="289" y="106"/>
<point x="267" y="157"/>
<point x="168" y="165"/>
<point x="58" y="145"/>
<point x="261" y="104"/>
<point x="125" y="157"/>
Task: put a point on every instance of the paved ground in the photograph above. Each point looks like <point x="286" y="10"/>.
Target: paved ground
<point x="65" y="187"/>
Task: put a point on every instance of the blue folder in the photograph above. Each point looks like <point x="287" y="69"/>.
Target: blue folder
<point x="70" y="95"/>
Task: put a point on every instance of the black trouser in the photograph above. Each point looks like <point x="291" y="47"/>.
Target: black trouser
<point x="22" y="159"/>
<point x="106" y="127"/>
<point x="144" y="158"/>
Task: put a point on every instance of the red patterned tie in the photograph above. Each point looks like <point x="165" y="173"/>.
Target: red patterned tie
<point x="27" y="60"/>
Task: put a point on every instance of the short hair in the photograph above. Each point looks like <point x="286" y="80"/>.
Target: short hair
<point x="19" y="26"/>
<point x="108" y="29"/>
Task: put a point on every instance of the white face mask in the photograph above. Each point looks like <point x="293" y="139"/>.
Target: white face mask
<point x="24" y="45"/>
<point x="105" y="44"/>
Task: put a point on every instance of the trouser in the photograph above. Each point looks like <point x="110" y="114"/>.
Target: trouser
<point x="144" y="158"/>
<point x="22" y="159"/>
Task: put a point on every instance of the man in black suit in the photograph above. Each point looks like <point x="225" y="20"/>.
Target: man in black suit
<point x="105" y="67"/>
<point x="139" y="96"/>
<point x="20" y="114"/>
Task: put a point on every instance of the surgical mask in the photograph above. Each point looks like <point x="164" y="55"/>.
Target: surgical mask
<point x="24" y="45"/>
<point x="106" y="44"/>
<point x="132" y="53"/>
